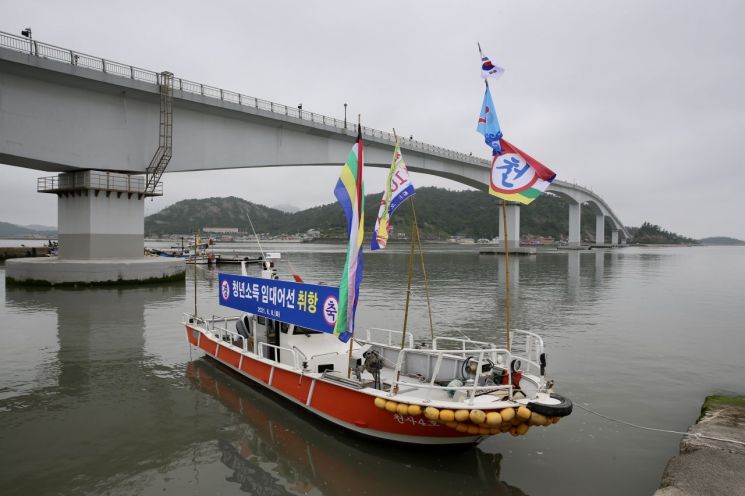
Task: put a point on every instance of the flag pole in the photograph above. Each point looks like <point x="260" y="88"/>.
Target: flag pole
<point x="408" y="296"/>
<point x="361" y="159"/>
<point x="506" y="273"/>
<point x="411" y="264"/>
<point x="424" y="270"/>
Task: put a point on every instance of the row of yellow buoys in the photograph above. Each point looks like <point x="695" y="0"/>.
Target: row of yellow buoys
<point x="515" y="421"/>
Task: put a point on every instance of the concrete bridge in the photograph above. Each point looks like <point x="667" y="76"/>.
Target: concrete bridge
<point x="68" y="112"/>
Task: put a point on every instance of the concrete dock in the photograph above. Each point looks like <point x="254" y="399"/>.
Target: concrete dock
<point x="23" y="251"/>
<point x="708" y="466"/>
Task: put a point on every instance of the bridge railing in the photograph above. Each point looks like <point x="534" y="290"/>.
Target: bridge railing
<point x="96" y="181"/>
<point x="79" y="59"/>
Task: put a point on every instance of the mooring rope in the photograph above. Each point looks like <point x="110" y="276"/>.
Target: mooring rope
<point x="669" y="431"/>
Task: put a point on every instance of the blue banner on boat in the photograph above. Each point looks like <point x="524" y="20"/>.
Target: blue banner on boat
<point x="307" y="305"/>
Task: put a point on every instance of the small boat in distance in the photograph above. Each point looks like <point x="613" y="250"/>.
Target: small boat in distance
<point x="452" y="391"/>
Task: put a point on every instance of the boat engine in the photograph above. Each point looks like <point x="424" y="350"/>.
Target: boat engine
<point x="373" y="364"/>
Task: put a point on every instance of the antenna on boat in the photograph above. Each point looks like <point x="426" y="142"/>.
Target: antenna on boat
<point x="195" y="276"/>
<point x="255" y="235"/>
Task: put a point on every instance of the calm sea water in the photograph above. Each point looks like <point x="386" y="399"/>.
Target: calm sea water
<point x="99" y="393"/>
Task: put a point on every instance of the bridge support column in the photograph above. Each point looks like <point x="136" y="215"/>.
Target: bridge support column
<point x="600" y="230"/>
<point x="95" y="226"/>
<point x="614" y="238"/>
<point x="575" y="210"/>
<point x="101" y="234"/>
<point x="513" y="226"/>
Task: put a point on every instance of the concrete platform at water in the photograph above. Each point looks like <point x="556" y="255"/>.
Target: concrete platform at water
<point x="51" y="271"/>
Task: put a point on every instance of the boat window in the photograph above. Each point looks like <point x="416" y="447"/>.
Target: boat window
<point x="304" y="330"/>
<point x="285" y="326"/>
<point x="261" y="320"/>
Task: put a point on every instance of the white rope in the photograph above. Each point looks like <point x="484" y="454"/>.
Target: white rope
<point x="691" y="434"/>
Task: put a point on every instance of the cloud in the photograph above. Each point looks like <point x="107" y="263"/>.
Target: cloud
<point x="640" y="101"/>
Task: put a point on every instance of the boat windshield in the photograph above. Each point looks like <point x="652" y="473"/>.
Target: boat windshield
<point x="304" y="330"/>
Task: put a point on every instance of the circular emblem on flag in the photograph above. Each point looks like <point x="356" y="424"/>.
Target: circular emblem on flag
<point x="510" y="173"/>
<point x="330" y="310"/>
<point x="225" y="290"/>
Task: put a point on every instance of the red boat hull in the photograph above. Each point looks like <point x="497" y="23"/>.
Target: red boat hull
<point x="350" y="408"/>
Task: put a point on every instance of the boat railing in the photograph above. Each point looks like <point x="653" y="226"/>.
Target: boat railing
<point x="463" y="344"/>
<point x="482" y="356"/>
<point x="527" y="347"/>
<point x="388" y="335"/>
<point x="262" y="353"/>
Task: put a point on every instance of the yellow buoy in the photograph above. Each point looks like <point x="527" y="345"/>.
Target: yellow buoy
<point x="484" y="431"/>
<point x="432" y="413"/>
<point x="447" y="416"/>
<point x="522" y="429"/>
<point x="461" y="427"/>
<point x="415" y="410"/>
<point x="538" y="419"/>
<point x="402" y="409"/>
<point x="507" y="414"/>
<point x="493" y="419"/>
<point x="505" y="427"/>
<point x="477" y="416"/>
<point x="523" y="413"/>
<point x="514" y="432"/>
<point x="494" y="430"/>
<point x="380" y="402"/>
<point x="452" y="424"/>
<point x="472" y="429"/>
<point x="391" y="406"/>
<point x="461" y="415"/>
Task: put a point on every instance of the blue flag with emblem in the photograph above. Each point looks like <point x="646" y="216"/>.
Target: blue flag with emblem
<point x="489" y="124"/>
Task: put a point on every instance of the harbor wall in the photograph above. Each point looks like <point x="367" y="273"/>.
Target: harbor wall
<point x="712" y="455"/>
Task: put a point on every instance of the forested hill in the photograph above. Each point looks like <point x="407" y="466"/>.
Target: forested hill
<point x="441" y="213"/>
<point x="653" y="234"/>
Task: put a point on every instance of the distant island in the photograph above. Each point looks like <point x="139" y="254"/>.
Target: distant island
<point x="721" y="241"/>
<point x="31" y="231"/>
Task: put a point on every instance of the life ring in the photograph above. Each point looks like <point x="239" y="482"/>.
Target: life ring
<point x="560" y="409"/>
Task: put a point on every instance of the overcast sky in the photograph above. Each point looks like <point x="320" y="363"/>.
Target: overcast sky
<point x="642" y="101"/>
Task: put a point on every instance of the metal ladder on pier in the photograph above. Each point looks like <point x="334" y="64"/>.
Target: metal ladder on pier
<point x="164" y="152"/>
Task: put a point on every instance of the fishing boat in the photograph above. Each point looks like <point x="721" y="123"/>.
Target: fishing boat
<point x="221" y="259"/>
<point x="298" y="340"/>
<point x="453" y="391"/>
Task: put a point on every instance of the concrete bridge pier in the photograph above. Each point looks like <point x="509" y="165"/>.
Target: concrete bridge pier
<point x="600" y="230"/>
<point x="513" y="226"/>
<point x="101" y="232"/>
<point x="614" y="238"/>
<point x="575" y="211"/>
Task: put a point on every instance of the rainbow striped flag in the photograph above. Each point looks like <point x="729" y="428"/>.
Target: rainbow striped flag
<point x="350" y="192"/>
<point x="516" y="176"/>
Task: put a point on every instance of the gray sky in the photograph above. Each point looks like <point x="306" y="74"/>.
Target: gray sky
<point x="642" y="101"/>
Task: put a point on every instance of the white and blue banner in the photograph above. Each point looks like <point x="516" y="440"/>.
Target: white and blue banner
<point x="397" y="189"/>
<point x="307" y="305"/>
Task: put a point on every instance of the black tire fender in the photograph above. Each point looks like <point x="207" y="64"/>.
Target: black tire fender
<point x="562" y="409"/>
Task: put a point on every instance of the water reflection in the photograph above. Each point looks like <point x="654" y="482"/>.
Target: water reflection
<point x="278" y="453"/>
<point x="108" y="411"/>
